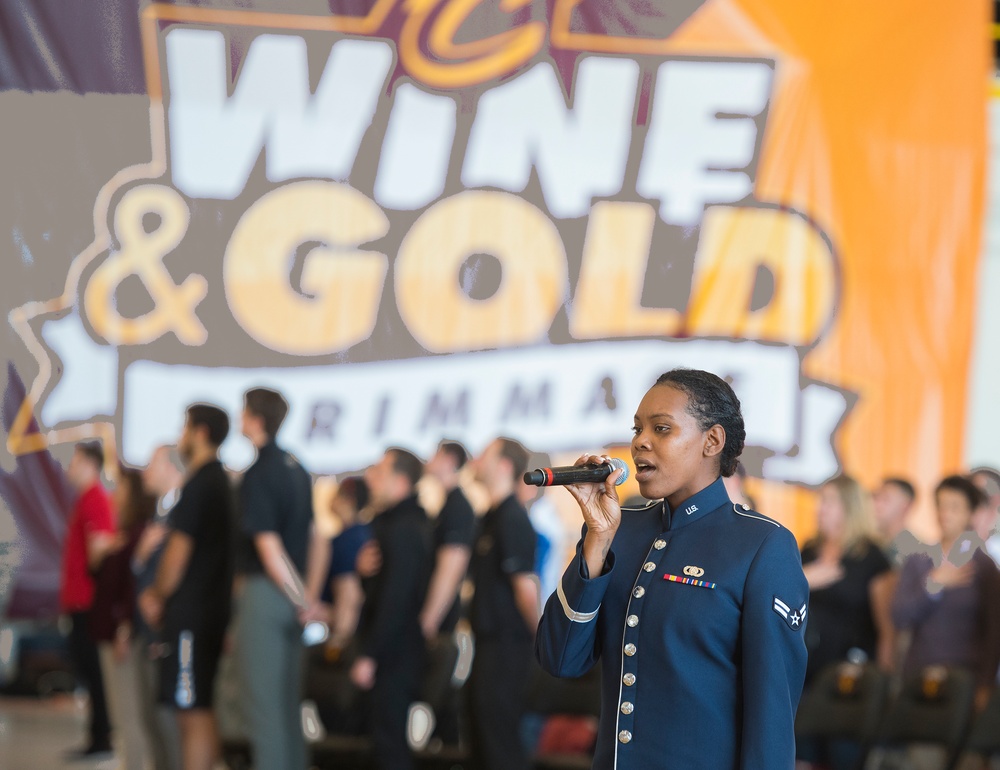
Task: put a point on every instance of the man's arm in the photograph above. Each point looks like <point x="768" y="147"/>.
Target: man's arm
<point x="526" y="596"/>
<point x="169" y="574"/>
<point x="100" y="536"/>
<point x="317" y="564"/>
<point x="348" y="597"/>
<point x="173" y="564"/>
<point x="449" y="571"/>
<point x="279" y="567"/>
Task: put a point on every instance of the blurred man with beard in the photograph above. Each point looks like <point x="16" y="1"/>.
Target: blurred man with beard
<point x="189" y="600"/>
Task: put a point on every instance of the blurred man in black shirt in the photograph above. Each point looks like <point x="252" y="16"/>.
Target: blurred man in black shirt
<point x="276" y="517"/>
<point x="504" y="611"/>
<point x="454" y="532"/>
<point x="190" y="596"/>
<point x="390" y="640"/>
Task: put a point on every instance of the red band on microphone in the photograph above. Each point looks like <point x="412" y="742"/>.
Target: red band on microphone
<point x="548" y="476"/>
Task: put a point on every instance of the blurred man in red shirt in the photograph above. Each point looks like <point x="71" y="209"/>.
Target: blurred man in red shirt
<point x="90" y="536"/>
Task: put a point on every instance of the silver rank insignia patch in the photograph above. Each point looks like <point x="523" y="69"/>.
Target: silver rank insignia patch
<point x="794" y="618"/>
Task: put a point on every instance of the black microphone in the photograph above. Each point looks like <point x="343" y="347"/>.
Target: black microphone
<point x="577" y="474"/>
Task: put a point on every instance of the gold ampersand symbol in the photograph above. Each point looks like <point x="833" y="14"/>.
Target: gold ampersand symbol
<point x="141" y="253"/>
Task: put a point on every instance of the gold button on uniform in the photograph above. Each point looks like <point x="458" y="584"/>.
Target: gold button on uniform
<point x="630" y="649"/>
<point x="624" y="736"/>
<point x="629" y="679"/>
<point x="632" y="621"/>
<point x="627" y="707"/>
<point x="659" y="545"/>
<point x="649" y="566"/>
<point x="639" y="592"/>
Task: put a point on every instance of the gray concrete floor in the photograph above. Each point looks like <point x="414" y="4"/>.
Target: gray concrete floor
<point x="37" y="733"/>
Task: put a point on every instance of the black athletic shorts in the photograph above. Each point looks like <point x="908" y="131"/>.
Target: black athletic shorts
<point x="188" y="667"/>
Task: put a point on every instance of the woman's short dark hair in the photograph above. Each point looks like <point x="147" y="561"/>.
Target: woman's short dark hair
<point x="973" y="494"/>
<point x="711" y="401"/>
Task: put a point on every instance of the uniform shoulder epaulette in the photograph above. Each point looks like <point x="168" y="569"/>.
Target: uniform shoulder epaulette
<point x="641" y="507"/>
<point x="748" y="513"/>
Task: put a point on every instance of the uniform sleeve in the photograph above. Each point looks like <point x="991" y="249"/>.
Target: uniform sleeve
<point x="516" y="540"/>
<point x="567" y="643"/>
<point x="775" y="611"/>
<point x="258" y="508"/>
<point x="911" y="602"/>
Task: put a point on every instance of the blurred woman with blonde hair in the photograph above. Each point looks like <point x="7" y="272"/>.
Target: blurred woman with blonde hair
<point x="840" y="563"/>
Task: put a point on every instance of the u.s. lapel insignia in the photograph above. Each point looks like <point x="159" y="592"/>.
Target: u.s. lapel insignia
<point x="694" y="571"/>
<point x="794" y="618"/>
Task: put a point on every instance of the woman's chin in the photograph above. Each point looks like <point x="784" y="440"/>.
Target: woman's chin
<point x="651" y="488"/>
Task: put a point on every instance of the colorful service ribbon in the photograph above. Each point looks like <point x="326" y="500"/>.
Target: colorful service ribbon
<point x="688" y="581"/>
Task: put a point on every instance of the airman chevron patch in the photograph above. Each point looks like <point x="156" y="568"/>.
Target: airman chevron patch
<point x="794" y="618"/>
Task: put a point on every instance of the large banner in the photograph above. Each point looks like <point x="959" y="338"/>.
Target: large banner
<point x="465" y="218"/>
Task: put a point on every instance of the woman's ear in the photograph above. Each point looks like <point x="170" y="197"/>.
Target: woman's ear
<point x="715" y="441"/>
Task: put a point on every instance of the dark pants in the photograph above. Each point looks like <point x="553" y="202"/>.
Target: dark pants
<point x="88" y="669"/>
<point x="498" y="686"/>
<point x="397" y="685"/>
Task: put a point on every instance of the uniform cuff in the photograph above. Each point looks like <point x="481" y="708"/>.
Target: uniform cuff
<point x="579" y="594"/>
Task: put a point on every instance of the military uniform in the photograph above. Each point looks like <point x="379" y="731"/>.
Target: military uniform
<point x="699" y="618"/>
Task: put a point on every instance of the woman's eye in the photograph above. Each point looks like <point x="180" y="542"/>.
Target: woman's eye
<point x="636" y="430"/>
<point x="662" y="428"/>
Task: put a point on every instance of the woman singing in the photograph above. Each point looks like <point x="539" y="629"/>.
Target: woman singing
<point x="696" y="606"/>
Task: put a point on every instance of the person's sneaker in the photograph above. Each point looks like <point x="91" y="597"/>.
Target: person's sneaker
<point x="92" y="752"/>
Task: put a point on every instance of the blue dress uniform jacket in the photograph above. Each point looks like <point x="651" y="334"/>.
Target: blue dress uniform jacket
<point x="699" y="619"/>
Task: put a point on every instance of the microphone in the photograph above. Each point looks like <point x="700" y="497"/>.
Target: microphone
<point x="576" y="474"/>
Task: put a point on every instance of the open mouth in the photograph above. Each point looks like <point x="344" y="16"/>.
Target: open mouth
<point x="643" y="470"/>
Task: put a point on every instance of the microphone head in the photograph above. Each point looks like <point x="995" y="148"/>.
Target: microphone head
<point x="535" y="478"/>
<point x="619" y="465"/>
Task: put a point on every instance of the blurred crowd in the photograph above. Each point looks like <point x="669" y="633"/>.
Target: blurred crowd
<point x="183" y="565"/>
<point x="186" y="581"/>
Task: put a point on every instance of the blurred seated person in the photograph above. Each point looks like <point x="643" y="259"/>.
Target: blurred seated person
<point x="986" y="519"/>
<point x="893" y="502"/>
<point x="841" y="565"/>
<point x="949" y="596"/>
